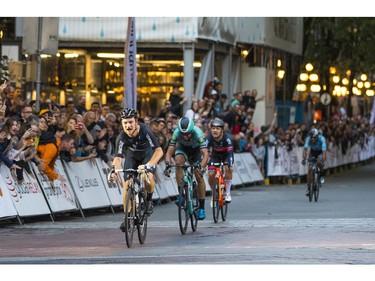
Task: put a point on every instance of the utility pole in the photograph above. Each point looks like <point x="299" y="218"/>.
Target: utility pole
<point x="39" y="64"/>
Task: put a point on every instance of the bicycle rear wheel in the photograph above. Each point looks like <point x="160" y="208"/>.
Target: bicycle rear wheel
<point x="194" y="215"/>
<point x="183" y="210"/>
<point x="129" y="217"/>
<point x="215" y="201"/>
<point x="142" y="217"/>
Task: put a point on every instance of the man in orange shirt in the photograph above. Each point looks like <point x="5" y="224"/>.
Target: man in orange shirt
<point x="49" y="148"/>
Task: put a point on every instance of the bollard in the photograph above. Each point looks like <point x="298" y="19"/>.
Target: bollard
<point x="267" y="181"/>
<point x="290" y="181"/>
<point x="298" y="181"/>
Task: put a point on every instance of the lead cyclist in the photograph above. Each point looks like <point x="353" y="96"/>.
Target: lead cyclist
<point x="141" y="150"/>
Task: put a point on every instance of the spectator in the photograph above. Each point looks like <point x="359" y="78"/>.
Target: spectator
<point x="70" y="108"/>
<point x="166" y="110"/>
<point x="48" y="150"/>
<point x="192" y="112"/>
<point x="96" y="108"/>
<point x="260" y="154"/>
<point x="11" y="157"/>
<point x="81" y="107"/>
<point x="177" y="99"/>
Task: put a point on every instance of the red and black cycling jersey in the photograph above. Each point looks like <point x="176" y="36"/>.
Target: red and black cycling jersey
<point x="222" y="148"/>
<point x="139" y="144"/>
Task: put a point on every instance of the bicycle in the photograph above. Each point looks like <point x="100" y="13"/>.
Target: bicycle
<point x="315" y="180"/>
<point x="188" y="202"/>
<point x="135" y="209"/>
<point x="218" y="201"/>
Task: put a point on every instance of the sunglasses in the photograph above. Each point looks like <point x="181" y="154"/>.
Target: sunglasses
<point x="186" y="134"/>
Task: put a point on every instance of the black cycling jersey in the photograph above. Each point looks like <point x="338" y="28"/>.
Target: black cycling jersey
<point x="220" y="150"/>
<point x="138" y="150"/>
<point x="142" y="142"/>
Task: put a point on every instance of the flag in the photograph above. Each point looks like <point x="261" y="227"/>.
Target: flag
<point x="130" y="66"/>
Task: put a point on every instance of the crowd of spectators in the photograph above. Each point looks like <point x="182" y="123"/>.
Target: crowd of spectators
<point x="76" y="133"/>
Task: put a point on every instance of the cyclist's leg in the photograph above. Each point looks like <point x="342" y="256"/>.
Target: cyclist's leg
<point x="195" y="157"/>
<point x="320" y="165"/>
<point x="228" y="181"/>
<point x="180" y="158"/>
<point x="151" y="185"/>
<point x="211" y="171"/>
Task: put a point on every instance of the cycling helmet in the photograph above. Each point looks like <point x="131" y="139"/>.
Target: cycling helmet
<point x="314" y="133"/>
<point x="217" y="123"/>
<point x="128" y="113"/>
<point x="185" y="125"/>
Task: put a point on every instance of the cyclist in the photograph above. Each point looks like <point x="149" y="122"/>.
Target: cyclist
<point x="141" y="150"/>
<point x="220" y="145"/>
<point x="191" y="147"/>
<point x="318" y="148"/>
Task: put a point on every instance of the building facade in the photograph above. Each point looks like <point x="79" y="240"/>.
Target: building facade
<point x="85" y="56"/>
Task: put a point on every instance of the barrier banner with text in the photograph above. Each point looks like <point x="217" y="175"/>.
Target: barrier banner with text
<point x="87" y="184"/>
<point x="59" y="195"/>
<point x="28" y="198"/>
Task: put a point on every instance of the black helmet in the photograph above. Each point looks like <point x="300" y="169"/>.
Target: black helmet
<point x="185" y="125"/>
<point x="128" y="113"/>
<point x="314" y="133"/>
<point x="217" y="123"/>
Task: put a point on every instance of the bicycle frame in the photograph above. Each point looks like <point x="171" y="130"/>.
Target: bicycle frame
<point x="219" y="204"/>
<point x="135" y="205"/>
<point x="188" y="198"/>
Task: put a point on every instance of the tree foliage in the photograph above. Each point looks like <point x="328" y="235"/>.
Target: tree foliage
<point x="343" y="42"/>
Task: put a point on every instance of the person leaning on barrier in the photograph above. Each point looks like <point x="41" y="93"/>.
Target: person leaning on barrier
<point x="138" y="145"/>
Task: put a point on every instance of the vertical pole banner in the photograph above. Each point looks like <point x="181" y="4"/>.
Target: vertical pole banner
<point x="130" y="66"/>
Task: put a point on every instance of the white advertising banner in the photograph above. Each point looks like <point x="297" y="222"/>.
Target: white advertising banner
<point x="7" y="208"/>
<point x="59" y="195"/>
<point x="87" y="184"/>
<point x="251" y="166"/>
<point x="28" y="198"/>
<point x="115" y="190"/>
<point x="238" y="168"/>
<point x="167" y="183"/>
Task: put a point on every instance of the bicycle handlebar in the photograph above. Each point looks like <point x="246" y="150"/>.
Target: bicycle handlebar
<point x="139" y="171"/>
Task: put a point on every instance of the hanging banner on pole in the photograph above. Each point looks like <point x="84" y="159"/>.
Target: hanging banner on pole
<point x="130" y="66"/>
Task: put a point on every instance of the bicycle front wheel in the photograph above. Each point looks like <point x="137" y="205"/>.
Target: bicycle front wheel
<point x="194" y="215"/>
<point x="183" y="210"/>
<point x="142" y="217"/>
<point x="316" y="187"/>
<point x="215" y="202"/>
<point x="129" y="216"/>
<point x="311" y="188"/>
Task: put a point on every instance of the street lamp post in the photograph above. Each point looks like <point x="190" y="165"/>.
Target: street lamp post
<point x="308" y="85"/>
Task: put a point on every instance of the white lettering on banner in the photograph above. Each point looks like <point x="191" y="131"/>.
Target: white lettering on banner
<point x="106" y="172"/>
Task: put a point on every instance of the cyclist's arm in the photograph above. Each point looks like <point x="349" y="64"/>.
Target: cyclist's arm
<point x="169" y="153"/>
<point x="117" y="162"/>
<point x="172" y="146"/>
<point x="158" y="154"/>
<point x="324" y="155"/>
<point x="205" y="156"/>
